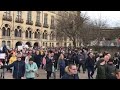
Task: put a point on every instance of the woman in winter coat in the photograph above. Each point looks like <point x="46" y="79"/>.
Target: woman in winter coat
<point x="61" y="65"/>
<point x="31" y="69"/>
<point x="71" y="72"/>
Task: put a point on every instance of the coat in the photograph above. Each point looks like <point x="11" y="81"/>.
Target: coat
<point x="110" y="71"/>
<point x="67" y="76"/>
<point x="19" y="68"/>
<point x="89" y="62"/>
<point x="49" y="64"/>
<point x="29" y="67"/>
<point x="101" y="72"/>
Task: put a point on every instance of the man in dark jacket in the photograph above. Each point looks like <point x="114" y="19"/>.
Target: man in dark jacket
<point x="49" y="63"/>
<point x="19" y="68"/>
<point x="90" y="62"/>
<point x="110" y="70"/>
<point x="101" y="70"/>
<point x="71" y="72"/>
<point x="38" y="59"/>
<point x="81" y="61"/>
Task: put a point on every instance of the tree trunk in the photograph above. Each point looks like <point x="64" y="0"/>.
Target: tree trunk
<point x="74" y="43"/>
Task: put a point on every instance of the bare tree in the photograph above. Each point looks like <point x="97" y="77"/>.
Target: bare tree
<point x="70" y="25"/>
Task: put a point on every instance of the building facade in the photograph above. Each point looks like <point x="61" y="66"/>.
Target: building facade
<point x="34" y="28"/>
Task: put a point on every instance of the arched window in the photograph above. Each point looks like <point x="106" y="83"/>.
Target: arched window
<point x="43" y="44"/>
<point x="46" y="35"/>
<point x="30" y="34"/>
<point x="3" y="31"/>
<point x="16" y="32"/>
<point x="38" y="35"/>
<point x="43" y="35"/>
<point x="20" y="33"/>
<point x="35" y="35"/>
<point x="8" y="32"/>
<point x="26" y="33"/>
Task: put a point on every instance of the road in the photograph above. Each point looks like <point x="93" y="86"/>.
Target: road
<point x="42" y="75"/>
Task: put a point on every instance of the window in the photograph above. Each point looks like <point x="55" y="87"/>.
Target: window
<point x="3" y="43"/>
<point x="45" y="18"/>
<point x="35" y="35"/>
<point x="52" y="44"/>
<point x="46" y="44"/>
<point x="19" y="14"/>
<point x="38" y="17"/>
<point x="8" y="43"/>
<point x="20" y="33"/>
<point x="39" y="35"/>
<point x="16" y="32"/>
<point x="8" y="32"/>
<point x="26" y="33"/>
<point x="30" y="34"/>
<point x="46" y="35"/>
<point x="8" y="13"/>
<point x="52" y="20"/>
<point x="3" y="31"/>
<point x="43" y="44"/>
<point x="43" y="35"/>
<point x="29" y="16"/>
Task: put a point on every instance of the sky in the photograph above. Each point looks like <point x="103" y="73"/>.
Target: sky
<point x="112" y="17"/>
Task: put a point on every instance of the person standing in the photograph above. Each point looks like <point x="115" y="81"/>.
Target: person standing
<point x="62" y="65"/>
<point x="49" y="63"/>
<point x="90" y="62"/>
<point x="31" y="69"/>
<point x="37" y="59"/>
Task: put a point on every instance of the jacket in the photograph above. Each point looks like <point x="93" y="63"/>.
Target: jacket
<point x="110" y="71"/>
<point x="61" y="63"/>
<point x="49" y="64"/>
<point x="89" y="62"/>
<point x="101" y="72"/>
<point x="68" y="76"/>
<point x="29" y="67"/>
<point x="19" y="68"/>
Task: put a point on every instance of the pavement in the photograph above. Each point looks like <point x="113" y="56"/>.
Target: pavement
<point x="42" y="75"/>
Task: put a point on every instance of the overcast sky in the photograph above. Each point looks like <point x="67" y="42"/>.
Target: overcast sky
<point x="112" y="17"/>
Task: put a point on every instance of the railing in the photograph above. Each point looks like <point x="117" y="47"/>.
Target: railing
<point x="38" y="24"/>
<point x="52" y="27"/>
<point x="29" y="22"/>
<point x="19" y="20"/>
<point x="7" y="18"/>
<point x="45" y="25"/>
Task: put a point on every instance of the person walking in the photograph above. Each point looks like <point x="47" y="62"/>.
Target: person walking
<point x="49" y="63"/>
<point x="90" y="62"/>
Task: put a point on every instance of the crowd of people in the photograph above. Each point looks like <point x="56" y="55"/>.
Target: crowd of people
<point x="27" y="63"/>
